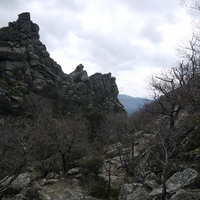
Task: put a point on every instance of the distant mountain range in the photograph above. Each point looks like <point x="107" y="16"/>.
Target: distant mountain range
<point x="131" y="104"/>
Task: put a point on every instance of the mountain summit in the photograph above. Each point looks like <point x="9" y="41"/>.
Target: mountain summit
<point x="26" y="67"/>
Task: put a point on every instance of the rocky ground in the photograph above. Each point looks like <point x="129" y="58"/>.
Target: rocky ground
<point x="183" y="184"/>
<point x="51" y="187"/>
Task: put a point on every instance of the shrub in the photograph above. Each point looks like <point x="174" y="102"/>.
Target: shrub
<point x="100" y="190"/>
<point x="92" y="166"/>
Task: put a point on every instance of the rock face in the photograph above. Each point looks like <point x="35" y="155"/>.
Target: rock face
<point x="26" y="66"/>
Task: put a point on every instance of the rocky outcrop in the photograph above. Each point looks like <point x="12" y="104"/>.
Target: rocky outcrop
<point x="98" y="90"/>
<point x="22" y="180"/>
<point x="182" y="179"/>
<point x="26" y="66"/>
<point x="175" y="185"/>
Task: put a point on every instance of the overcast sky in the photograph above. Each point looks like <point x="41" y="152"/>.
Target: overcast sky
<point x="132" y="39"/>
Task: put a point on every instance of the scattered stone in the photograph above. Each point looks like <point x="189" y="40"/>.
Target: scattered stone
<point x="67" y="195"/>
<point x="52" y="181"/>
<point x="126" y="189"/>
<point x="152" y="181"/>
<point x="156" y="192"/>
<point x="30" y="192"/>
<point x="49" y="190"/>
<point x="20" y="197"/>
<point x="53" y="175"/>
<point x="42" y="182"/>
<point x="138" y="194"/>
<point x="113" y="150"/>
<point x="78" y="176"/>
<point x="36" y="185"/>
<point x="74" y="171"/>
<point x="43" y="196"/>
<point x="186" y="195"/>
<point x="30" y="169"/>
<point x="36" y="173"/>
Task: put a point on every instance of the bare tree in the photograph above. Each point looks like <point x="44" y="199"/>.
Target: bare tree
<point x="107" y="167"/>
<point x="112" y="130"/>
<point x="69" y="137"/>
<point x="168" y="94"/>
<point x="190" y="54"/>
<point x="44" y="147"/>
<point x="174" y="89"/>
<point x="163" y="149"/>
<point x="16" y="144"/>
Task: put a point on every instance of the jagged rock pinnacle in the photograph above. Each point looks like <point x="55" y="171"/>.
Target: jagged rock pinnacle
<point x="79" y="68"/>
<point x="25" y="59"/>
<point x="25" y="16"/>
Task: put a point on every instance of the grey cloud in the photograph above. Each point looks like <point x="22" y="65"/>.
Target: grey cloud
<point x="70" y="4"/>
<point x="60" y="5"/>
<point x="10" y="4"/>
<point x="114" y="54"/>
<point x="171" y="18"/>
<point x="193" y="13"/>
<point x="53" y="30"/>
<point x="108" y="50"/>
<point x="149" y="6"/>
<point x="150" y="31"/>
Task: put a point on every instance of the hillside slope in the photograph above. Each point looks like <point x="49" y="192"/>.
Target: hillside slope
<point x="131" y="104"/>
